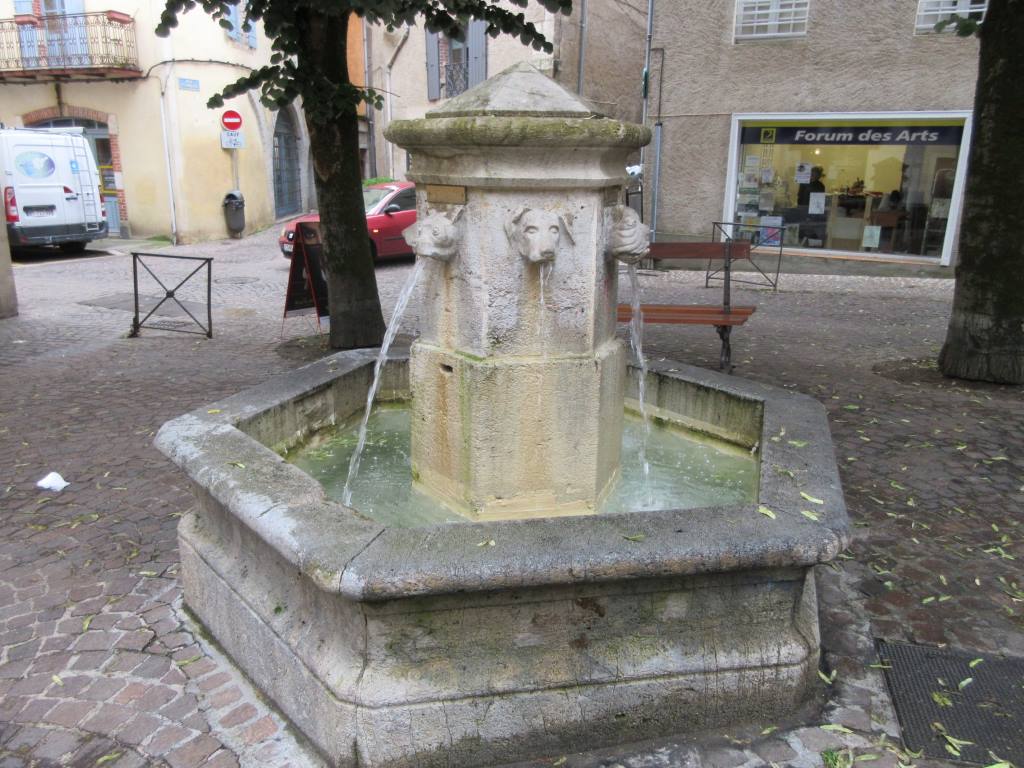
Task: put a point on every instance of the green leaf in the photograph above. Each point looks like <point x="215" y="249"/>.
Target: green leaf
<point x="810" y="515"/>
<point x="766" y="512"/>
<point x="634" y="537"/>
<point x="559" y="761"/>
<point x="798" y="443"/>
<point x="975" y="662"/>
<point x="964" y="683"/>
<point x="941" y="699"/>
<point x="812" y="499"/>
<point x="86" y="622"/>
<point x="109" y="757"/>
<point x="238" y="464"/>
<point x="186" y="662"/>
<point x="486" y="543"/>
<point x="57" y="680"/>
<point x="835" y="728"/>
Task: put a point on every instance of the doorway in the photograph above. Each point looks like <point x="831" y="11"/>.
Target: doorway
<point x="287" y="184"/>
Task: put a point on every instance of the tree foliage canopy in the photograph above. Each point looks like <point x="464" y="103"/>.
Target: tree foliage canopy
<point x="326" y="97"/>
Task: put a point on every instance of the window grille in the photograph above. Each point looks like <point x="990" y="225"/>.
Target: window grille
<point x="931" y="12"/>
<point x="771" y="18"/>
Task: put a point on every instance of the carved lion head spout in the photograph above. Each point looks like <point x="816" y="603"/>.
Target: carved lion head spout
<point x="536" y="234"/>
<point x="435" y="236"/>
<point x="628" y="240"/>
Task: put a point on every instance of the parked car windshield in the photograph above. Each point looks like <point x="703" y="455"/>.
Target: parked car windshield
<point x="373" y="196"/>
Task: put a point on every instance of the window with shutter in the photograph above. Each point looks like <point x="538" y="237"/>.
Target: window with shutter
<point x="433" y="67"/>
<point x="235" y="33"/>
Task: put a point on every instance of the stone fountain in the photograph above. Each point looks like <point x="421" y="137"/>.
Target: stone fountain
<point x="535" y="627"/>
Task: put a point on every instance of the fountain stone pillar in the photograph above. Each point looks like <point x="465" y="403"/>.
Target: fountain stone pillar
<point x="517" y="377"/>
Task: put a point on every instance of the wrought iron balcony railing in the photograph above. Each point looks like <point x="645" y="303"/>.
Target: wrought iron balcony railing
<point x="456" y="79"/>
<point x="34" y="48"/>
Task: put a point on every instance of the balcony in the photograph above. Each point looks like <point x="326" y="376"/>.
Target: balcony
<point x="82" y="46"/>
<point x="456" y="79"/>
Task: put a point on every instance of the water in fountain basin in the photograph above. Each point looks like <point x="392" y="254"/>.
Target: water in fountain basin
<point x="636" y="333"/>
<point x="396" y="318"/>
<point x="685" y="470"/>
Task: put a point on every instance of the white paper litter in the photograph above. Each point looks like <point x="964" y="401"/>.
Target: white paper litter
<point x="53" y="482"/>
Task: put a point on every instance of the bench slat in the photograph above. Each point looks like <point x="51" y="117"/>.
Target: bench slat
<point x="740" y="250"/>
<point x="694" y="314"/>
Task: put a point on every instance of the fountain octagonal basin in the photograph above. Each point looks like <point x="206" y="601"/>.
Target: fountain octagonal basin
<point x="431" y="646"/>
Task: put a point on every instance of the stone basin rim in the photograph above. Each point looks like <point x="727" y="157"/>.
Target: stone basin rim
<point x="368" y="561"/>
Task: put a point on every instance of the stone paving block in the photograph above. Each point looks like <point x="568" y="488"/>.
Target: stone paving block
<point x="69" y="713"/>
<point x="194" y="753"/>
<point x="238" y="715"/>
<point x="138" y="729"/>
<point x="108" y="719"/>
<point x="167" y="737"/>
<point x="55" y="745"/>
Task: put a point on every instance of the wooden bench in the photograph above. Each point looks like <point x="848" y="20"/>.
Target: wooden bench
<point x="723" y="316"/>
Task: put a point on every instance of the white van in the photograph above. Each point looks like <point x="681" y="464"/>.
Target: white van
<point x="51" y="188"/>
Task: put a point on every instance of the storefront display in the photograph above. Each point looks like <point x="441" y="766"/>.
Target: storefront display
<point x="850" y="185"/>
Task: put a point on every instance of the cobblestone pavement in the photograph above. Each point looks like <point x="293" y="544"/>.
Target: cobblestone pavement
<point x="101" y="665"/>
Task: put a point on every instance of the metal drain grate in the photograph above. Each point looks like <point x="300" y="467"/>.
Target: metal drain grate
<point x="935" y="690"/>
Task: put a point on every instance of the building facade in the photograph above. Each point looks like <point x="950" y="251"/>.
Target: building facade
<point x="832" y="126"/>
<point x="417" y="70"/>
<point x="141" y="100"/>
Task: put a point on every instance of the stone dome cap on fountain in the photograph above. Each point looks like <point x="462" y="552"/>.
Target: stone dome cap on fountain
<point x="518" y="107"/>
<point x="521" y="90"/>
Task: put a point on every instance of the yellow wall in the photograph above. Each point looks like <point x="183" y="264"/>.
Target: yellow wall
<point x="197" y="49"/>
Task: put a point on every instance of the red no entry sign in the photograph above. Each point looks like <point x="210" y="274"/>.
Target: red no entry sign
<point x="231" y="120"/>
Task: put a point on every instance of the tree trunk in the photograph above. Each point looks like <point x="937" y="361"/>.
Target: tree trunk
<point x="354" y="303"/>
<point x="985" y="339"/>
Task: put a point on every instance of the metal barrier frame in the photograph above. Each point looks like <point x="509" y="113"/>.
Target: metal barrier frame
<point x="170" y="293"/>
<point x="719" y="234"/>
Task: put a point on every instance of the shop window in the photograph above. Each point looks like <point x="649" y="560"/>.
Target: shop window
<point x="850" y="186"/>
<point x="931" y="12"/>
<point x="756" y="19"/>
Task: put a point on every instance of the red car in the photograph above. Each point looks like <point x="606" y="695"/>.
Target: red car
<point x="390" y="208"/>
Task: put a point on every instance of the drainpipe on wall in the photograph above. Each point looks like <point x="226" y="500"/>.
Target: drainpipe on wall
<point x="58" y="95"/>
<point x="655" y="181"/>
<point x="167" y="159"/>
<point x="582" y="46"/>
<point x="387" y="89"/>
<point x="646" y="82"/>
<point x="371" y="123"/>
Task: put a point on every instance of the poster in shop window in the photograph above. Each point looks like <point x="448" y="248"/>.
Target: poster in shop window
<point x="816" y="204"/>
<point x="771" y="230"/>
<point x="803" y="173"/>
<point x="872" y="236"/>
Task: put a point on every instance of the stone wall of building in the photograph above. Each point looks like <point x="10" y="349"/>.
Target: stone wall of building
<point x="855" y="57"/>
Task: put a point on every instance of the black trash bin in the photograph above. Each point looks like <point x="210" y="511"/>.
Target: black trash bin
<point x="234" y="211"/>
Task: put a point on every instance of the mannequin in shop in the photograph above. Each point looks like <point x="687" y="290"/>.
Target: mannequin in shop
<point x="803" y="194"/>
<point x="812" y="230"/>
